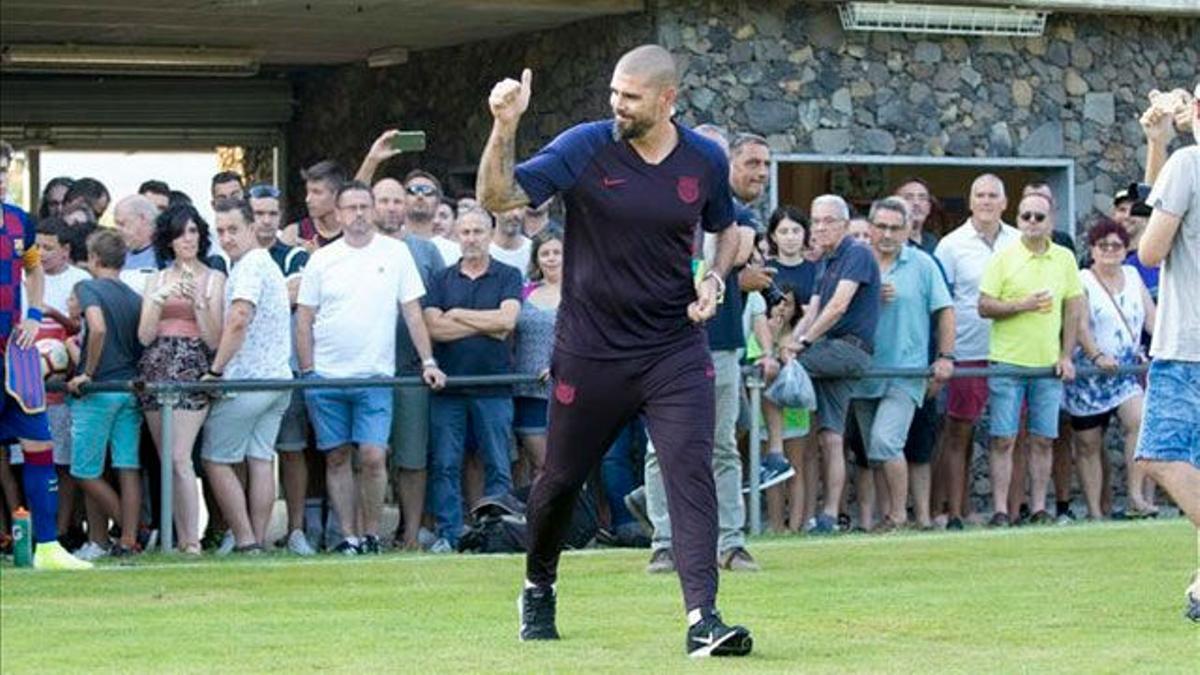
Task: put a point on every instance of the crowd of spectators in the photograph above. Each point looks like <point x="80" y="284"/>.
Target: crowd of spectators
<point x="393" y="277"/>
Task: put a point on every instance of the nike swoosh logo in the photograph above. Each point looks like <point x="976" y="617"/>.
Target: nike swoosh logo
<point x="613" y="182"/>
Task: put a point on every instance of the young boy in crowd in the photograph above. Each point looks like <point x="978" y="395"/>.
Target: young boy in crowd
<point x="101" y="420"/>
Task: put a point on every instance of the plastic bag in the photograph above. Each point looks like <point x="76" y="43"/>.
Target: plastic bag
<point x="793" y="388"/>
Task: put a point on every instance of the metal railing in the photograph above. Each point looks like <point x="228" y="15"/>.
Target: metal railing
<point x="169" y="394"/>
<point x="755" y="384"/>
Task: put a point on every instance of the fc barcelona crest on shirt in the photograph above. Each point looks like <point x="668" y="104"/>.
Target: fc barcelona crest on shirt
<point x="688" y="189"/>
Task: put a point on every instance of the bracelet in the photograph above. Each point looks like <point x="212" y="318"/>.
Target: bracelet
<point x="949" y="356"/>
<point x="215" y="373"/>
<point x="429" y="363"/>
<point x="720" y="285"/>
<point x="34" y="313"/>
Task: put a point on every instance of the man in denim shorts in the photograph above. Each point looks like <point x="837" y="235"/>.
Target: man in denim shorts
<point x="351" y="294"/>
<point x="1169" y="445"/>
<point x="1032" y="293"/>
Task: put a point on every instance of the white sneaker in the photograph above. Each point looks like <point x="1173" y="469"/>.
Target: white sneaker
<point x="298" y="543"/>
<point x="91" y="552"/>
<point x="441" y="546"/>
<point x="426" y="538"/>
<point x="228" y="543"/>
<point x="52" y="556"/>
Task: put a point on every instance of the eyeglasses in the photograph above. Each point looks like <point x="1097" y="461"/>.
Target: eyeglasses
<point x="1033" y="216"/>
<point x="1109" y="246"/>
<point x="421" y="190"/>
<point x="262" y="191"/>
<point x="889" y="228"/>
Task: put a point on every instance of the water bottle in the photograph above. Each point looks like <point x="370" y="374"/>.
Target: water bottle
<point x="22" y="534"/>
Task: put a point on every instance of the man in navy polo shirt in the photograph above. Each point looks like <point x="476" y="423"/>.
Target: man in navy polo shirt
<point x="627" y="339"/>
<point x="471" y="310"/>
<point x="837" y="337"/>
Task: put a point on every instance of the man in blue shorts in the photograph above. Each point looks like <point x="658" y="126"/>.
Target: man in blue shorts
<point x="628" y="341"/>
<point x="1170" y="440"/>
<point x="19" y="256"/>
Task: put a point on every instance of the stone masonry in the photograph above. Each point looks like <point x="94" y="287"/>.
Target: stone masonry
<point x="788" y="71"/>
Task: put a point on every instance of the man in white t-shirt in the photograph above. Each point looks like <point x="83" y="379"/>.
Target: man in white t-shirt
<point x="350" y="295"/>
<point x="60" y="279"/>
<point x="61" y="275"/>
<point x="1169" y="444"/>
<point x="509" y="245"/>
<point x="243" y="428"/>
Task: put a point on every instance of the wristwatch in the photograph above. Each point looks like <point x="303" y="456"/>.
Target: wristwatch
<point x="949" y="356"/>
<point x="429" y="363"/>
<point x="805" y="342"/>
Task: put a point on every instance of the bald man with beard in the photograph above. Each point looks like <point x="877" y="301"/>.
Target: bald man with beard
<point x="410" y="421"/>
<point x="629" y="337"/>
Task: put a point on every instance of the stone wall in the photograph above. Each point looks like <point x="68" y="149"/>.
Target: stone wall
<point x="444" y="92"/>
<point x="788" y="71"/>
<point x="785" y="70"/>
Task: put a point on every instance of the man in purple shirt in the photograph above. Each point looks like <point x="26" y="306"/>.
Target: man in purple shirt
<point x="627" y="340"/>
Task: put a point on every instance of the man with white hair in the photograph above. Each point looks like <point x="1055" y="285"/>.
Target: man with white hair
<point x="1169" y="445"/>
<point x="836" y="337"/>
<point x="964" y="253"/>
<point x="135" y="216"/>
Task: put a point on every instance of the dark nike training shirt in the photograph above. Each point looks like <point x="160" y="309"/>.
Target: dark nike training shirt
<point x="627" y="278"/>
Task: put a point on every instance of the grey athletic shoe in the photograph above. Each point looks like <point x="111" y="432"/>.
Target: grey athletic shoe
<point x="636" y="503"/>
<point x="662" y="561"/>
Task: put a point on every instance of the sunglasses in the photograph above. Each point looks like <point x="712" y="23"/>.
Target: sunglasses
<point x="1110" y="246"/>
<point x="1033" y="216"/>
<point x="421" y="190"/>
<point x="263" y="191"/>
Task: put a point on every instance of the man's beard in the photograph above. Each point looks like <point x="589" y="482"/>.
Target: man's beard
<point x="388" y="226"/>
<point x="632" y="130"/>
<point x="419" y="217"/>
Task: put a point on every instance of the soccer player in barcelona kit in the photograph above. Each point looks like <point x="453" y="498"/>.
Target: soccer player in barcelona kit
<point x="628" y="341"/>
<point x="19" y="258"/>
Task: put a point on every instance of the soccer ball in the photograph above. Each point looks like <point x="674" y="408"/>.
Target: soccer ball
<point x="56" y="360"/>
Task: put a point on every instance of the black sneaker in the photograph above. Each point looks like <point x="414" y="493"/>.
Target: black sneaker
<point x="1041" y="518"/>
<point x="346" y="548"/>
<point x="998" y="520"/>
<point x="711" y="637"/>
<point x="369" y="545"/>
<point x="954" y="524"/>
<point x="536" y="608"/>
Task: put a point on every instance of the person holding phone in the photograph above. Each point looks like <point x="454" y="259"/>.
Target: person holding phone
<point x="180" y="328"/>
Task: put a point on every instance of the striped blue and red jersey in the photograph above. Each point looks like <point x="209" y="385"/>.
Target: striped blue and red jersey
<point x="18" y="250"/>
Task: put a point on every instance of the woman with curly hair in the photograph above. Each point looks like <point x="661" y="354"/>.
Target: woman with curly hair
<point x="181" y="327"/>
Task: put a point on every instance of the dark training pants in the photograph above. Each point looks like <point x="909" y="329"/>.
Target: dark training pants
<point x="592" y="402"/>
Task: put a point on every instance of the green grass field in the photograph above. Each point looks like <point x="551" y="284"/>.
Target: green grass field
<point x="1088" y="598"/>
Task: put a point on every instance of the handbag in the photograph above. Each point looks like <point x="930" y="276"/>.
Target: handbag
<point x="1135" y="339"/>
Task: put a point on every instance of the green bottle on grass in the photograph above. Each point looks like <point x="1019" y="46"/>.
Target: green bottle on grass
<point x="22" y="534"/>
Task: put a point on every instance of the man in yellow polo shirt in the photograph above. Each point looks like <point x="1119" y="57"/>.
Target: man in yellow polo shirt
<point x="1031" y="291"/>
